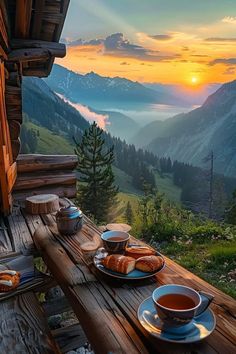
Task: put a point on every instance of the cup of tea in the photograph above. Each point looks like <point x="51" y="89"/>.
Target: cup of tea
<point x="115" y="241"/>
<point x="177" y="305"/>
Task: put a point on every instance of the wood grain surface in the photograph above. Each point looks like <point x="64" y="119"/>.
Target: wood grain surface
<point x="107" y="308"/>
<point x="24" y="328"/>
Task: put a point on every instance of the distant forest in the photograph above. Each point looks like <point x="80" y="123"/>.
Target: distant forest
<point x="142" y="165"/>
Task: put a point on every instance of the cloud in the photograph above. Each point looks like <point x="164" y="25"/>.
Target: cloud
<point x="161" y="37"/>
<point x="228" y="62"/>
<point x="81" y="42"/>
<point x="230" y="71"/>
<point x="229" y="19"/>
<point x="219" y="39"/>
<point x="185" y="49"/>
<point x="100" y="119"/>
<point x="200" y="55"/>
<point x="117" y="45"/>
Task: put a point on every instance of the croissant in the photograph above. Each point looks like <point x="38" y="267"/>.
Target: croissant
<point x="137" y="252"/>
<point x="149" y="263"/>
<point x="119" y="263"/>
<point x="9" y="280"/>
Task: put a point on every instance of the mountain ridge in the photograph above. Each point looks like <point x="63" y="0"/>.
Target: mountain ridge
<point x="92" y="87"/>
<point x="189" y="137"/>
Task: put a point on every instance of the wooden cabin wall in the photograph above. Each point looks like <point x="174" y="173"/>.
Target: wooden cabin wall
<point x="8" y="169"/>
<point x="29" y="35"/>
<point x="10" y="115"/>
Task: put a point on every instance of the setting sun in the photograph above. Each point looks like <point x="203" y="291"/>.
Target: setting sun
<point x="194" y="80"/>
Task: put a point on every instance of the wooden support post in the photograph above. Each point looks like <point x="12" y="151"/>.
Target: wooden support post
<point x="7" y="168"/>
<point x="23" y="18"/>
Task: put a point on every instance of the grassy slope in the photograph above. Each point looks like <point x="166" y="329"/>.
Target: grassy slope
<point x="165" y="185"/>
<point x="118" y="213"/>
<point x="213" y="261"/>
<point x="49" y="143"/>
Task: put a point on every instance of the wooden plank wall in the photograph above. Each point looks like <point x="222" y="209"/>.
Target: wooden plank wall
<point x="45" y="174"/>
<point x="7" y="165"/>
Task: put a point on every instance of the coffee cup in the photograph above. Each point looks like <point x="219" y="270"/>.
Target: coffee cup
<point x="115" y="241"/>
<point x="177" y="305"/>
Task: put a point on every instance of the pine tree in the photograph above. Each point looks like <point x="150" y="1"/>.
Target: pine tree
<point x="231" y="210"/>
<point x="96" y="193"/>
<point x="129" y="213"/>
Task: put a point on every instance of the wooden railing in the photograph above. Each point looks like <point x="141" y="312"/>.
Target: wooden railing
<point x="38" y="174"/>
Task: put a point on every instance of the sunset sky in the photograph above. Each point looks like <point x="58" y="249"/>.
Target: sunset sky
<point x="165" y="41"/>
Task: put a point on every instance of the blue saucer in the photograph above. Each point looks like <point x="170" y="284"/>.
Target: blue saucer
<point x="199" y="328"/>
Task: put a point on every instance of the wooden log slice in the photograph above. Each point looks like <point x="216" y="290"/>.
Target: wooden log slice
<point x="118" y="227"/>
<point x="42" y="204"/>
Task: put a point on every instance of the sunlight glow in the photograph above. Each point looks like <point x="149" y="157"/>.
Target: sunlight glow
<point x="194" y="80"/>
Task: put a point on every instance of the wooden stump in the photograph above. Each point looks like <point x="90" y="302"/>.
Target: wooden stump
<point x="42" y="204"/>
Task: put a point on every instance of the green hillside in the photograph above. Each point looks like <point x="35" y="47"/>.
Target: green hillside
<point x="50" y="143"/>
<point x="165" y="185"/>
<point x="118" y="213"/>
<point x="124" y="182"/>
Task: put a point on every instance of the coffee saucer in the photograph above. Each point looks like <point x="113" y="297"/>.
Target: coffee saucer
<point x="198" y="329"/>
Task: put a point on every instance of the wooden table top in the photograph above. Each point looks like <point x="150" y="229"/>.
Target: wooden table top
<point x="107" y="308"/>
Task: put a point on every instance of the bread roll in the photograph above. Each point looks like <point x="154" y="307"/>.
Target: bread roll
<point x="119" y="263"/>
<point x="9" y="280"/>
<point x="149" y="263"/>
<point x="137" y="252"/>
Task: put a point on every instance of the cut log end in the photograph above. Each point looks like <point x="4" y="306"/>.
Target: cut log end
<point x="42" y="204"/>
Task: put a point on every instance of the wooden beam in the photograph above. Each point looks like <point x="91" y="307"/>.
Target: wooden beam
<point x="61" y="191"/>
<point x="23" y="18"/>
<point x="4" y="43"/>
<point x="6" y="159"/>
<point x="36" y="54"/>
<point x="15" y="148"/>
<point x="37" y="72"/>
<point x="35" y="162"/>
<point x="5" y="17"/>
<point x="64" y="9"/>
<point x="14" y="79"/>
<point x="44" y="179"/>
<point x="11" y="177"/>
<point x="14" y="127"/>
<point x="35" y="43"/>
<point x="37" y="18"/>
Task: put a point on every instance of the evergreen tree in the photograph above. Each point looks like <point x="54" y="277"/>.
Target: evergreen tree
<point x="231" y="210"/>
<point x="129" y="213"/>
<point x="96" y="193"/>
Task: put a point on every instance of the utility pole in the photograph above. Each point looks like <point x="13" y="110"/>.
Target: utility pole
<point x="210" y="174"/>
<point x="211" y="184"/>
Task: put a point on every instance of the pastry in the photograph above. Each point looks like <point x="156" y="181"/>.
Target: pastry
<point x="149" y="263"/>
<point x="9" y="280"/>
<point x="119" y="263"/>
<point x="137" y="252"/>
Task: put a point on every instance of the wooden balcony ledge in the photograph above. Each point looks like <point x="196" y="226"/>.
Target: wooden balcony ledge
<point x="107" y="309"/>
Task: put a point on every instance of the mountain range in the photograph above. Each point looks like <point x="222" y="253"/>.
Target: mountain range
<point x="102" y="92"/>
<point x="187" y="137"/>
<point x="191" y="136"/>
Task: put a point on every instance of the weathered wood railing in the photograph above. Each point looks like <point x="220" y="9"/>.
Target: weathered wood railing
<point x="38" y="174"/>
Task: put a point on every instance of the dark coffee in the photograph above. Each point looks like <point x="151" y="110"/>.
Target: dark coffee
<point x="176" y="302"/>
<point x="115" y="238"/>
